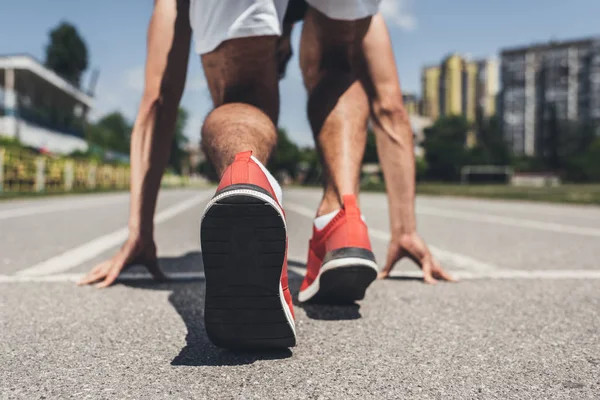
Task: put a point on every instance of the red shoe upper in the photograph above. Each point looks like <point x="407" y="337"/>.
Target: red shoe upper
<point x="244" y="170"/>
<point x="346" y="229"/>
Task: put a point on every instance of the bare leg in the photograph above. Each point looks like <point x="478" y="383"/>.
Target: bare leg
<point x="337" y="107"/>
<point x="243" y="81"/>
<point x="169" y="36"/>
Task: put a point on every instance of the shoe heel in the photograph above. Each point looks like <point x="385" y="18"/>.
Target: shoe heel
<point x="243" y="249"/>
<point x="344" y="277"/>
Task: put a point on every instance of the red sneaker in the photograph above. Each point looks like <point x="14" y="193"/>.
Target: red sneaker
<point x="244" y="249"/>
<point x="340" y="263"/>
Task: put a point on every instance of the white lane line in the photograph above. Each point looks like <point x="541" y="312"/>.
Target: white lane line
<point x="297" y="270"/>
<point x="125" y="277"/>
<point x="199" y="276"/>
<point x="62" y="206"/>
<point x="528" y="208"/>
<point x="532" y="274"/>
<point x="444" y="257"/>
<point x="496" y="274"/>
<point x="508" y="221"/>
<point x="89" y="250"/>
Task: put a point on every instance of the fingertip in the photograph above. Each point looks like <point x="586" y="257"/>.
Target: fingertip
<point x="383" y="275"/>
<point x="104" y="284"/>
<point x="83" y="281"/>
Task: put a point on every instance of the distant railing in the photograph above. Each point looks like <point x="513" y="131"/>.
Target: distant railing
<point x="22" y="171"/>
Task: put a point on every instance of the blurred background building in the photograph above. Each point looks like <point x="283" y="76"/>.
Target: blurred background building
<point x="411" y="103"/>
<point x="40" y="108"/>
<point x="545" y="83"/>
<point x="460" y="86"/>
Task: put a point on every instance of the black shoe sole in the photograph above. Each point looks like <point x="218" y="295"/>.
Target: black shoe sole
<point x="348" y="281"/>
<point x="243" y="249"/>
<point x="343" y="285"/>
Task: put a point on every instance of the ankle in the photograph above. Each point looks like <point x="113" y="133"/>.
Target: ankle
<point x="328" y="206"/>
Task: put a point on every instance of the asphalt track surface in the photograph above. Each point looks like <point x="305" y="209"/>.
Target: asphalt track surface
<point x="523" y="323"/>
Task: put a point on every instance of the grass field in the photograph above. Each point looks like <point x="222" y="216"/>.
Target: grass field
<point x="568" y="193"/>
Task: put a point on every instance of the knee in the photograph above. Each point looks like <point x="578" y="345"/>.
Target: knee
<point x="248" y="117"/>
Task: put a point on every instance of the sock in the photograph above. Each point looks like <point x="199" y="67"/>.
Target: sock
<point x="322" y="221"/>
<point x="272" y="181"/>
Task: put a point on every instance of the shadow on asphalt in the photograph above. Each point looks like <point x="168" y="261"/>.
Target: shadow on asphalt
<point x="405" y="278"/>
<point x="320" y="311"/>
<point x="187" y="297"/>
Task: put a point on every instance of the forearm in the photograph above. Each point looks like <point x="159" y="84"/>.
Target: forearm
<point x="396" y="155"/>
<point x="152" y="135"/>
<point x="391" y="125"/>
<point x="151" y="140"/>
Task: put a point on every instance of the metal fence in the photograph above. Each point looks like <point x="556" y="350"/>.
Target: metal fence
<point x="22" y="171"/>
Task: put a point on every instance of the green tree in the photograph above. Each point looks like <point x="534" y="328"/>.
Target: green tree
<point x="310" y="166"/>
<point x="66" y="53"/>
<point x="444" y="145"/>
<point x="178" y="154"/>
<point x="111" y="132"/>
<point x="371" y="156"/>
<point x="585" y="167"/>
<point x="491" y="142"/>
<point x="591" y="161"/>
<point x="286" y="156"/>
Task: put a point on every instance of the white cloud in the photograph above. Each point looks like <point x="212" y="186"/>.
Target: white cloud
<point x="399" y="13"/>
<point x="134" y="79"/>
<point x="109" y="98"/>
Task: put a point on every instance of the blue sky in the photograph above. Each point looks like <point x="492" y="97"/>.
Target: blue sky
<point x="423" y="32"/>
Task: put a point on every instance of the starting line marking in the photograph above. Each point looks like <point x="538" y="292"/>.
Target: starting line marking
<point x="125" y="277"/>
<point x="176" y="277"/>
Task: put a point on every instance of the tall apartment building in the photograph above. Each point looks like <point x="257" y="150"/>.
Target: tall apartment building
<point x="411" y="103"/>
<point x="430" y="91"/>
<point x="548" y="82"/>
<point x="459" y="86"/>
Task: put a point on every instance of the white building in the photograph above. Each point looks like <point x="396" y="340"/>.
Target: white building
<point x="418" y="124"/>
<point x="40" y="108"/>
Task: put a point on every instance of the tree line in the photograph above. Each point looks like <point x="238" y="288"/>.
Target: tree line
<point x="566" y="148"/>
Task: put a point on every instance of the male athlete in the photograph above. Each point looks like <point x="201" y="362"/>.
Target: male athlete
<point x="379" y="78"/>
<point x="243" y="229"/>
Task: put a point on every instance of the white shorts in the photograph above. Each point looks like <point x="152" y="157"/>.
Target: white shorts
<point x="215" y="21"/>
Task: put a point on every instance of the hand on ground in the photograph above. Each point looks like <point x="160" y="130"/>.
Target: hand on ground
<point x="135" y="251"/>
<point x="415" y="248"/>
